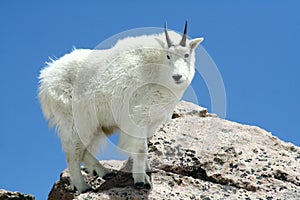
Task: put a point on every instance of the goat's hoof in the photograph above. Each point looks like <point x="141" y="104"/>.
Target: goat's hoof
<point x="147" y="186"/>
<point x="109" y="175"/>
<point x="95" y="173"/>
<point x="139" y="185"/>
<point x="88" y="190"/>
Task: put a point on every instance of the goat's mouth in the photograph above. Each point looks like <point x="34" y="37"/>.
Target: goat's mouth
<point x="179" y="82"/>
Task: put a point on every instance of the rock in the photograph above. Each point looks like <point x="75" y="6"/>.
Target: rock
<point x="200" y="156"/>
<point x="8" y="195"/>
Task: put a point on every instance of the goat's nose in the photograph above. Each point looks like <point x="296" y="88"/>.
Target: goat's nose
<point x="177" y="77"/>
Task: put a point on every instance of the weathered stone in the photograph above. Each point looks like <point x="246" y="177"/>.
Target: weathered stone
<point x="8" y="195"/>
<point x="200" y="156"/>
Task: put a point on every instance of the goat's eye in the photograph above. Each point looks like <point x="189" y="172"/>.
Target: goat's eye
<point x="186" y="55"/>
<point x="168" y="57"/>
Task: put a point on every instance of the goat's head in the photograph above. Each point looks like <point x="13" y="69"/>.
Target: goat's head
<point x="181" y="58"/>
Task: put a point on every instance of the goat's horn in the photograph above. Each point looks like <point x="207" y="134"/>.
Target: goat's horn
<point x="183" y="40"/>
<point x="169" y="42"/>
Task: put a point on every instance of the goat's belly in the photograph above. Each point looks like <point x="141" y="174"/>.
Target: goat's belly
<point x="106" y="118"/>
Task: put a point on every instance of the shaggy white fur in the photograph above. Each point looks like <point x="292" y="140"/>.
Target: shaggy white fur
<point x="132" y="86"/>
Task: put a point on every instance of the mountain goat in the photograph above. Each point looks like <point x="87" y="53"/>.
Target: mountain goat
<point x="132" y="87"/>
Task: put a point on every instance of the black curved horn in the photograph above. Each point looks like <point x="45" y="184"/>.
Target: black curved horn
<point x="183" y="40"/>
<point x="169" y="42"/>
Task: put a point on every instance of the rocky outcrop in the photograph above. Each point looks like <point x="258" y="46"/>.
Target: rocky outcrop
<point x="8" y="195"/>
<point x="200" y="156"/>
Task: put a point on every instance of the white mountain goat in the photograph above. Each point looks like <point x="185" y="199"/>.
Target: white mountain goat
<point x="132" y="87"/>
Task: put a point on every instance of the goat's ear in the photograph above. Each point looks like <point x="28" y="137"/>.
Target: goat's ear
<point x="161" y="43"/>
<point x="195" y="42"/>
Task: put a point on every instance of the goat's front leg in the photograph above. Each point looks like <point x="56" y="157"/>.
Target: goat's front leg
<point x="137" y="149"/>
<point x="141" y="179"/>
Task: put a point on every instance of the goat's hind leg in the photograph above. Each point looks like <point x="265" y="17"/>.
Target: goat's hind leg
<point x="74" y="156"/>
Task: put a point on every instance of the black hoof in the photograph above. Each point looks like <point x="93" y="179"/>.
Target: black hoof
<point x="74" y="190"/>
<point x="88" y="190"/>
<point x="84" y="191"/>
<point x="147" y="186"/>
<point x="95" y="173"/>
<point x="139" y="185"/>
<point x="108" y="176"/>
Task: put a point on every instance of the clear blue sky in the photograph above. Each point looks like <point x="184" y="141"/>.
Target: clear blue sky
<point x="255" y="45"/>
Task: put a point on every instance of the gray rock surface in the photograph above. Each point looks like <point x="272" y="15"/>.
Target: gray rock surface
<point x="8" y="195"/>
<point x="200" y="156"/>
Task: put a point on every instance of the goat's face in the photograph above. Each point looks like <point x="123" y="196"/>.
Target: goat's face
<point x="180" y="59"/>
